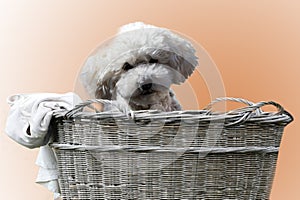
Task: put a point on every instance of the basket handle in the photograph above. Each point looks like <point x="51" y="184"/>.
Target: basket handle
<point x="247" y="111"/>
<point x="88" y="104"/>
<point x="251" y="106"/>
<point x="222" y="99"/>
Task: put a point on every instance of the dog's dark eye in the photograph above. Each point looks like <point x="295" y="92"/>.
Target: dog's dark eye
<point x="152" y="60"/>
<point x="127" y="66"/>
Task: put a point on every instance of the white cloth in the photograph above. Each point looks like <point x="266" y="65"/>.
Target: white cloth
<point x="48" y="172"/>
<point x="28" y="122"/>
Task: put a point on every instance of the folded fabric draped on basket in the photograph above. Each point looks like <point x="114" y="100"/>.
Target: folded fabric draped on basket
<point x="28" y="124"/>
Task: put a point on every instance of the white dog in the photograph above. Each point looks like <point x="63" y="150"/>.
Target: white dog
<point x="136" y="68"/>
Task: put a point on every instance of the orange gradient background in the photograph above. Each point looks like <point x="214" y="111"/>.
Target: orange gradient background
<point x="254" y="43"/>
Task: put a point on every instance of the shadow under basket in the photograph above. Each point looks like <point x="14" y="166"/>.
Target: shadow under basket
<point x="169" y="155"/>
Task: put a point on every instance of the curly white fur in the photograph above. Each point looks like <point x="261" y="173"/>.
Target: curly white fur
<point x="137" y="67"/>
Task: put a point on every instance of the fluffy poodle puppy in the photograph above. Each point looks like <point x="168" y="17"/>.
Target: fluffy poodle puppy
<point x="136" y="68"/>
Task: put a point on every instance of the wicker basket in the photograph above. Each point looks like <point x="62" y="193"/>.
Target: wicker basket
<point x="173" y="155"/>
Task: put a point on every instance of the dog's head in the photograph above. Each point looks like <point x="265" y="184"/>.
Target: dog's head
<point x="139" y="65"/>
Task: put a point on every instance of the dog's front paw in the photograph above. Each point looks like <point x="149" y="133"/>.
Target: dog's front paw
<point x="157" y="107"/>
<point x="124" y="108"/>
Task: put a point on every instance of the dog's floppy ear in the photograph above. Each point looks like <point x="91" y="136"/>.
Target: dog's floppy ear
<point x="183" y="66"/>
<point x="103" y="92"/>
<point x="182" y="55"/>
<point x="106" y="89"/>
<point x="90" y="78"/>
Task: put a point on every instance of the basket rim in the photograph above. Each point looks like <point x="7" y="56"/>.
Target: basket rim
<point x="251" y="113"/>
<point x="188" y="115"/>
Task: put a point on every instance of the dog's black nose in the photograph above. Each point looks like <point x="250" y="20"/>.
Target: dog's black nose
<point x="147" y="86"/>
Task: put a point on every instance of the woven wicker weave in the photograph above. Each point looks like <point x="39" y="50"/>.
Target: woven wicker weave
<point x="173" y="155"/>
